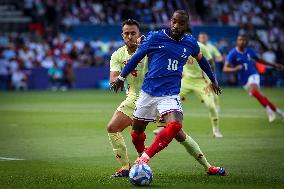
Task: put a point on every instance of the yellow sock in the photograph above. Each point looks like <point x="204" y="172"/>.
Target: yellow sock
<point x="217" y="101"/>
<point x="193" y="149"/>
<point x="214" y="116"/>
<point x="119" y="149"/>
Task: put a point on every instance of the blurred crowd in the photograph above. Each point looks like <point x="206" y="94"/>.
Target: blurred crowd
<point x="58" y="53"/>
<point x="46" y="46"/>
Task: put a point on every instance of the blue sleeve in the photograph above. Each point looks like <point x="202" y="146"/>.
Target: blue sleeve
<point x="204" y="65"/>
<point x="254" y="54"/>
<point x="196" y="48"/>
<point x="230" y="59"/>
<point x="140" y="53"/>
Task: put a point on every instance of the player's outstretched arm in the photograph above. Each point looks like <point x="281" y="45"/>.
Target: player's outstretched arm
<point x="274" y="65"/>
<point x="129" y="67"/>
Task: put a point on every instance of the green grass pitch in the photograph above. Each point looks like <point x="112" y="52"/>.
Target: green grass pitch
<point x="62" y="138"/>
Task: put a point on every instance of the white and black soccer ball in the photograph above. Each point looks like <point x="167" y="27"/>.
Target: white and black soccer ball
<point x="140" y="174"/>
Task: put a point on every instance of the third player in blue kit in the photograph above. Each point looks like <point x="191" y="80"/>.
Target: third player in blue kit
<point x="241" y="59"/>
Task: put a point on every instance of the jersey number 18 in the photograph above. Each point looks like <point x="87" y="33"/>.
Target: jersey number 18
<point x="173" y="65"/>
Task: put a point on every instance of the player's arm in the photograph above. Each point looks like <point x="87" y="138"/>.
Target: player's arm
<point x="217" y="55"/>
<point x="207" y="55"/>
<point x="113" y="76"/>
<point x="204" y="65"/>
<point x="229" y="65"/>
<point x="274" y="65"/>
<point x="115" y="67"/>
<point x="256" y="57"/>
<point x="212" y="65"/>
<point x="140" y="53"/>
<point x="229" y="68"/>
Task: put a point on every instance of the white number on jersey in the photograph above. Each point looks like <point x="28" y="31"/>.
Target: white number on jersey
<point x="173" y="65"/>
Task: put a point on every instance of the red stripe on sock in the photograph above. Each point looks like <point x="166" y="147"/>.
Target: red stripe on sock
<point x="163" y="138"/>
<point x="263" y="100"/>
<point x="270" y="104"/>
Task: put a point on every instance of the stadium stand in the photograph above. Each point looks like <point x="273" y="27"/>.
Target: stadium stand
<point x="36" y="34"/>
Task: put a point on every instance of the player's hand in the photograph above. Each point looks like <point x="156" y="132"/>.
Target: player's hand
<point x="238" y="67"/>
<point x="215" y="87"/>
<point x="117" y="84"/>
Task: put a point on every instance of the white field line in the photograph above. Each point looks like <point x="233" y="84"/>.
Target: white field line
<point x="228" y="115"/>
<point x="10" y="159"/>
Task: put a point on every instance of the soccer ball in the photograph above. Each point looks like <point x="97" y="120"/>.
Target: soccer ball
<point x="140" y="175"/>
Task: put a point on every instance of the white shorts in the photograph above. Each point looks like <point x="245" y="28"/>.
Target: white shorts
<point x="148" y="107"/>
<point x="252" y="80"/>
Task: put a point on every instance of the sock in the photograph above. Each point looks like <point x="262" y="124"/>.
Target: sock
<point x="217" y="101"/>
<point x="280" y="112"/>
<point x="163" y="138"/>
<point x="263" y="99"/>
<point x="119" y="149"/>
<point x="193" y="149"/>
<point x="138" y="140"/>
<point x="214" y="116"/>
<point x="270" y="104"/>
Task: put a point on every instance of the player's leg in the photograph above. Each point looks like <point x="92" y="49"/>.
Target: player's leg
<point x="119" y="121"/>
<point x="213" y="115"/>
<point x="217" y="102"/>
<point x="171" y="111"/>
<point x="138" y="135"/>
<point x="185" y="90"/>
<point x="203" y="91"/>
<point x="144" y="113"/>
<point x="254" y="90"/>
<point x="194" y="150"/>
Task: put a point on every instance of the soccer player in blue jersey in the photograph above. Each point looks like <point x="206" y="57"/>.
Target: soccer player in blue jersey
<point x="167" y="51"/>
<point x="241" y="59"/>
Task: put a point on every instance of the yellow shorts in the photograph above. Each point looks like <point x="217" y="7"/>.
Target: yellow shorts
<point x="127" y="106"/>
<point x="201" y="88"/>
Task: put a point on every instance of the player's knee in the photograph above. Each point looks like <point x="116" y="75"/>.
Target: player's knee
<point x="181" y="136"/>
<point x="112" y="128"/>
<point x="254" y="91"/>
<point x="139" y="126"/>
<point x="175" y="126"/>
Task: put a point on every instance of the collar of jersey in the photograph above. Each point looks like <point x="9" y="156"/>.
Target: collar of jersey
<point x="168" y="31"/>
<point x="240" y="51"/>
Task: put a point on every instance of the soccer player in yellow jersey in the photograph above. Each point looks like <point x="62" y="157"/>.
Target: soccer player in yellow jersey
<point x="216" y="57"/>
<point x="195" y="80"/>
<point x="122" y="117"/>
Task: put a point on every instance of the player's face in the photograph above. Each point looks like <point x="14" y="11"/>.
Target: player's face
<point x="130" y="34"/>
<point x="241" y="42"/>
<point x="179" y="24"/>
<point x="202" y="38"/>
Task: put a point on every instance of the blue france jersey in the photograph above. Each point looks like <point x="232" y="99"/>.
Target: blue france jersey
<point x="246" y="59"/>
<point x="166" y="58"/>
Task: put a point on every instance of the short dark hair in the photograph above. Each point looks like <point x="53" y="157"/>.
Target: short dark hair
<point x="182" y="12"/>
<point x="243" y="35"/>
<point x="131" y="22"/>
<point x="202" y="33"/>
